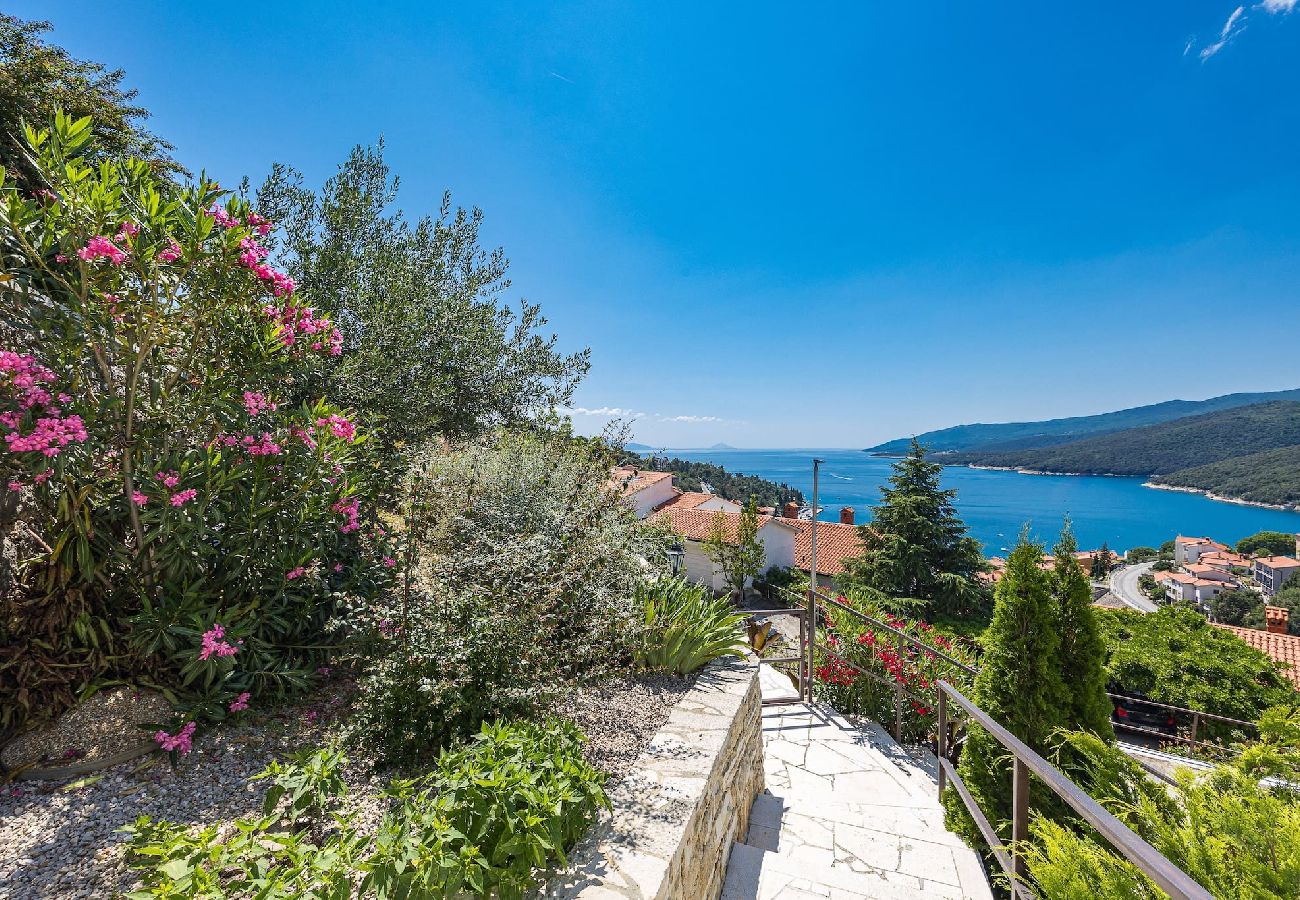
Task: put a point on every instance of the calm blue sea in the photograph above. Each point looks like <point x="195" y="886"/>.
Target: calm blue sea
<point x="1119" y="511"/>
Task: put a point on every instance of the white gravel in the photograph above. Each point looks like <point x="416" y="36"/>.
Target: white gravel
<point x="60" y="841"/>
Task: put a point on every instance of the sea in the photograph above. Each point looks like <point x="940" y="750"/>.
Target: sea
<point x="996" y="505"/>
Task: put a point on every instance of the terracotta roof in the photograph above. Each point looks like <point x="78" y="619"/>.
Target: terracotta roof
<point x="1285" y="648"/>
<point x="836" y="542"/>
<point x="695" y="524"/>
<point x="689" y="500"/>
<point x="1278" y="562"/>
<point x="631" y="481"/>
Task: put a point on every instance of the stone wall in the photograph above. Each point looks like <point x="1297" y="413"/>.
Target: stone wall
<point x="685" y="801"/>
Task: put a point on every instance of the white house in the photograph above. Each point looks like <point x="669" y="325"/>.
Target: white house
<point x="694" y="525"/>
<point x="642" y="489"/>
<point x="1188" y="550"/>
<point x="1274" y="572"/>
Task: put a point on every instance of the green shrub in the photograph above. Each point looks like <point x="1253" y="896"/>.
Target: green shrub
<point x="685" y="627"/>
<point x="163" y="475"/>
<point x="487" y="820"/>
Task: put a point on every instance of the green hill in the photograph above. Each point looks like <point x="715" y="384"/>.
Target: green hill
<point x="1011" y="436"/>
<point x="1272" y="476"/>
<point x="1162" y="449"/>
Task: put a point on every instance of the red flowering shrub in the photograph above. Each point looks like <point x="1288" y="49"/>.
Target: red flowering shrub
<point x="165" y="466"/>
<point x="856" y="647"/>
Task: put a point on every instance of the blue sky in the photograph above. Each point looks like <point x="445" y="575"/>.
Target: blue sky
<point x="779" y="226"/>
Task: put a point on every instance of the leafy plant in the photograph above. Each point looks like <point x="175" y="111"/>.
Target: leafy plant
<point x="487" y="819"/>
<point x="160" y="478"/>
<point x="684" y="627"/>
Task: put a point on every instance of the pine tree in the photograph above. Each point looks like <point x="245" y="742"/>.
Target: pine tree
<point x="1102" y="562"/>
<point x="1082" y="651"/>
<point x="1019" y="685"/>
<point x="916" y="545"/>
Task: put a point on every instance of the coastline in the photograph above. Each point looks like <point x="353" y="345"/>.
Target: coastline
<point x="1210" y="495"/>
<point x="1155" y="485"/>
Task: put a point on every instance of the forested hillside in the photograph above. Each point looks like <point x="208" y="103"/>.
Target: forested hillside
<point x="1009" y="436"/>
<point x="1162" y="449"/>
<point x="691" y="476"/>
<point x="1272" y="476"/>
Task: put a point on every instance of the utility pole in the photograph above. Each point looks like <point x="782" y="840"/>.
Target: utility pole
<point x="812" y="584"/>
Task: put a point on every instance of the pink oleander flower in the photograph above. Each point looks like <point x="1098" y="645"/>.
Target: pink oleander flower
<point x="339" y="426"/>
<point x="181" y="741"/>
<point x="100" y="247"/>
<point x="180" y="498"/>
<point x="303" y="435"/>
<point x="223" y="218"/>
<point x="351" y="510"/>
<point x="310" y="717"/>
<point x="258" y="223"/>
<point x="338" y="567"/>
<point x="139" y="498"/>
<point x="389" y="562"/>
<point x="170" y="253"/>
<point x="295" y="572"/>
<point x="60" y="258"/>
<point x="126" y="232"/>
<point x="255" y="402"/>
<point x="263" y="447"/>
<point x="171" y="478"/>
<point x="42" y="477"/>
<point x="215" y="645"/>
<point x="240" y="703"/>
<point x="15" y="485"/>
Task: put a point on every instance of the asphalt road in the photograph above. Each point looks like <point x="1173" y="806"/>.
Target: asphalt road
<point x="1124" y="584"/>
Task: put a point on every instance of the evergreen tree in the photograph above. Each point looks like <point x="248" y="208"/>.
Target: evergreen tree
<point x="916" y="545"/>
<point x="1103" y="561"/>
<point x="1020" y="685"/>
<point x="1082" y="652"/>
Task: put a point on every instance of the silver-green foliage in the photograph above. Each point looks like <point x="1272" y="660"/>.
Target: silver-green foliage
<point x="685" y="628"/>
<point x="486" y="821"/>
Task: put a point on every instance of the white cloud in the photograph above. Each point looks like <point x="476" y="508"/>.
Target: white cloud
<point x="688" y="419"/>
<point x="616" y="412"/>
<point x="1277" y="6"/>
<point x="1231" y="29"/>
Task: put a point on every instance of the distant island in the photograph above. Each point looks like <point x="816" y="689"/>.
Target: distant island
<point x="1244" y="448"/>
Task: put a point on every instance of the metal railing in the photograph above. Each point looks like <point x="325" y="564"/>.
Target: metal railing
<point x="1196" y="716"/>
<point x="1171" y="879"/>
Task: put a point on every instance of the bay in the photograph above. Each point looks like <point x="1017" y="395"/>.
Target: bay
<point x="996" y="505"/>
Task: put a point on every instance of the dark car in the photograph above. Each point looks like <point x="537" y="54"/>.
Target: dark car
<point x="1133" y="710"/>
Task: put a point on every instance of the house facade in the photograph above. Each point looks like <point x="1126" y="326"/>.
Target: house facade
<point x="1273" y="572"/>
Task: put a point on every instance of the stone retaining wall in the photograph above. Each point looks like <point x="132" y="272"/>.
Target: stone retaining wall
<point x="685" y="801"/>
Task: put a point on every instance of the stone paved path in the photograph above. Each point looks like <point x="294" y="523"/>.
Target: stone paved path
<point x="847" y="814"/>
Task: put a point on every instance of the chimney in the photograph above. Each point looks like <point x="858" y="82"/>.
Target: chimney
<point x="1275" y="619"/>
<point x="846" y="515"/>
<point x="791" y="510"/>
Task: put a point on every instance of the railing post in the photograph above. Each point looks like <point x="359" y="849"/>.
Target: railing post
<point x="1196" y="723"/>
<point x="898" y="691"/>
<point x="811" y="615"/>
<point x="941" y="742"/>
<point x="1019" y="815"/>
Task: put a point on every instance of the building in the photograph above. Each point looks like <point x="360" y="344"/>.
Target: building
<point x="1224" y="561"/>
<point x="1189" y="588"/>
<point x="642" y="489"/>
<point x="1189" y="549"/>
<point x="694" y="525"/>
<point x="1273" y="572"/>
<point x="1274" y="641"/>
<point x="1207" y="572"/>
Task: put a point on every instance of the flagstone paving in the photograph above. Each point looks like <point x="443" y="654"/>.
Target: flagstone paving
<point x="847" y="814"/>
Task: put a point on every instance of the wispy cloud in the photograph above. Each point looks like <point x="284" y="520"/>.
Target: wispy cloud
<point x="1231" y="28"/>
<point x="689" y="419"/>
<point x="1278" y="6"/>
<point x="612" y="412"/>
<point x="561" y="77"/>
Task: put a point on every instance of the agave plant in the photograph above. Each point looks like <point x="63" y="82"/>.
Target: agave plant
<point x="685" y="627"/>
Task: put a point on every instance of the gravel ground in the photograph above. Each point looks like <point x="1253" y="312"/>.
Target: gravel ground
<point x="621" y="715"/>
<point x="61" y="839"/>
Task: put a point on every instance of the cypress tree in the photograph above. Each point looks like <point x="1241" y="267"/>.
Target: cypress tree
<point x="1019" y="685"/>
<point x="1082" y="652"/>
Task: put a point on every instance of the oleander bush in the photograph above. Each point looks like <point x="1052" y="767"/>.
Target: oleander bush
<point x="853" y="644"/>
<point x="180" y="510"/>
<point x="491" y="817"/>
<point x="685" y="627"/>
